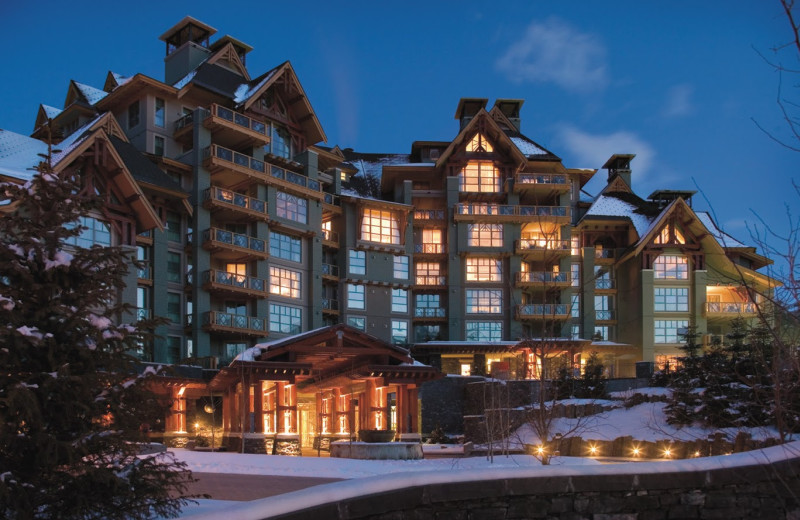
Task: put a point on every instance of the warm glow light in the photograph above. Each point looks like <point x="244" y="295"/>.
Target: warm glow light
<point x="593" y="450"/>
<point x="697" y="454"/>
<point x="540" y="450"/>
<point x="196" y="425"/>
<point x="181" y="391"/>
<point x="287" y="421"/>
<point x="667" y="453"/>
<point x="636" y="452"/>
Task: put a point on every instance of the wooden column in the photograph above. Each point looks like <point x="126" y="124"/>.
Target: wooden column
<point x="244" y="412"/>
<point x="413" y="408"/>
<point x="402" y="419"/>
<point x="258" y="406"/>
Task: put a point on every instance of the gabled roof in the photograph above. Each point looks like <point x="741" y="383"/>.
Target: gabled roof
<point x="78" y="92"/>
<point x="623" y="205"/>
<point x="298" y="105"/>
<point x="113" y="80"/>
<point x="132" y="87"/>
<point x="19" y="154"/>
<point x="227" y="54"/>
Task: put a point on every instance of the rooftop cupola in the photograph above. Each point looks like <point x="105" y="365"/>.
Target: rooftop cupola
<point x="468" y="108"/>
<point x="241" y="48"/>
<point x="619" y="165"/>
<point x="187" y="47"/>
<point x="510" y="108"/>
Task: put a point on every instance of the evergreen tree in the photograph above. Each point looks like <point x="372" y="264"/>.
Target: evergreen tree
<point x="686" y="383"/>
<point x="592" y="384"/>
<point x="70" y="401"/>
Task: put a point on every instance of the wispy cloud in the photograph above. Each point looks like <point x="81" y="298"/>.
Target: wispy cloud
<point x="679" y="102"/>
<point x="592" y="150"/>
<point x="553" y="51"/>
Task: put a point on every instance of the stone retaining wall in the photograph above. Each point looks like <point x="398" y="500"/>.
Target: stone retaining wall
<point x="695" y="489"/>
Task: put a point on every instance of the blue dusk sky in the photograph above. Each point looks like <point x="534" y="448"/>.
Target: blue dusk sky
<point x="677" y="83"/>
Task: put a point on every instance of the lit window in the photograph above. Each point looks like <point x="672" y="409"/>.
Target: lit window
<point x="357" y="322"/>
<point x="284" y="282"/>
<point x="356" y="296"/>
<point x="484" y="270"/>
<point x="428" y="273"/>
<point x="480" y="177"/>
<point x="160" y="113"/>
<point x="399" y="300"/>
<point x="291" y="208"/>
<point x="358" y="262"/>
<point x="327" y="230"/>
<point x="670" y="235"/>
<point x="484" y="331"/>
<point x="380" y="226"/>
<point x="479" y="144"/>
<point x="485" y="235"/>
<point x="158" y="145"/>
<point x="284" y="246"/>
<point x="401" y="268"/>
<point x="93" y="232"/>
<point x="284" y="319"/>
<point x="575" y="246"/>
<point x="670" y="331"/>
<point x="431" y="241"/>
<point x="671" y="299"/>
<point x="399" y="331"/>
<point x="671" y="267"/>
<point x="484" y="301"/>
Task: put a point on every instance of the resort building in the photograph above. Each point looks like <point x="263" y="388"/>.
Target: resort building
<point x="305" y="275"/>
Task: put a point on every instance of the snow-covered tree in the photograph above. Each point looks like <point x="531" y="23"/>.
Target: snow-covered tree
<point x="71" y="402"/>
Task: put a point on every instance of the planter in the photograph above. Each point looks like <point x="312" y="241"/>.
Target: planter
<point x="376" y="435"/>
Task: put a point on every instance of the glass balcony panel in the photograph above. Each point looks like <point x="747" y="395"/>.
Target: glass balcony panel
<point x="241" y="120"/>
<point x="224" y="153"/>
<point x="241" y="200"/>
<point x="224" y="113"/>
<point x="255" y="164"/>
<point x="258" y="126"/>
<point x="258" y="205"/>
<point x="257" y="244"/>
<point x="241" y="160"/>
<point x="257" y="284"/>
<point x="241" y="240"/>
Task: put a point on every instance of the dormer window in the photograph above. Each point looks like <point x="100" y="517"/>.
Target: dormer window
<point x="479" y="144"/>
<point x="670" y="235"/>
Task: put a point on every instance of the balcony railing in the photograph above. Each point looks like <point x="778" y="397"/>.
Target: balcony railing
<point x="329" y="304"/>
<point x="236" y="201"/>
<point x="183" y="122"/>
<point x="430" y="280"/>
<point x="145" y="272"/>
<point x="732" y="308"/>
<point x="238" y="119"/>
<point x="216" y="236"/>
<point x="541" y="178"/>
<point x="541" y="244"/>
<point x="239" y="159"/>
<point x="603" y="315"/>
<point x="604" y="254"/>
<point x="511" y="211"/>
<point x="544" y="278"/>
<point x="429" y="214"/>
<point x="543" y="311"/>
<point x="330" y="236"/>
<point x="435" y="249"/>
<point x="235" y="281"/>
<point x="216" y="320"/>
<point x="430" y="312"/>
<point x="604" y="283"/>
<point x="294" y="178"/>
<point x="332" y="199"/>
<point x="330" y="270"/>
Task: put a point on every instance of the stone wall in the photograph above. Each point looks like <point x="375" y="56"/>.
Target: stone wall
<point x="763" y="486"/>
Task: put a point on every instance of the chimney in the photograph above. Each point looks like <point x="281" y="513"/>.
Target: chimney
<point x="467" y="109"/>
<point x="187" y="47"/>
<point x="619" y="165"/>
<point x="510" y="108"/>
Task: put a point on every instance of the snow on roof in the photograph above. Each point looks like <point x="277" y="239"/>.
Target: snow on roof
<point x="724" y="239"/>
<point x="184" y="80"/>
<point x="51" y="112"/>
<point x="19" y="154"/>
<point x="527" y="147"/>
<point x="254" y="352"/>
<point x="610" y="206"/>
<point x="120" y="79"/>
<point x="72" y="141"/>
<point x="246" y="90"/>
<point x="92" y="95"/>
<point x="374" y="166"/>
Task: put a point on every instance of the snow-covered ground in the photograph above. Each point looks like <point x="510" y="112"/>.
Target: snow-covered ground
<point x="643" y="422"/>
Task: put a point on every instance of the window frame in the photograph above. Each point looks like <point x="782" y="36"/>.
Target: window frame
<point x="285" y="282"/>
<point x="357" y="261"/>
<point x="160" y="113"/>
<point x="291" y="207"/>
<point x="675" y="297"/>
<point x="356" y="290"/>
<point x="482" y="234"/>
<point x="665" y="269"/>
<point x="283" y="246"/>
<point x="479" y="269"/>
<point x="285" y="319"/>
<point x="380" y="226"/>
<point x="477" y="299"/>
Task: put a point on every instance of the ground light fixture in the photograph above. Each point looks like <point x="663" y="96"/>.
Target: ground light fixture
<point x="636" y="451"/>
<point x="540" y="450"/>
<point x="667" y="453"/>
<point x="593" y="450"/>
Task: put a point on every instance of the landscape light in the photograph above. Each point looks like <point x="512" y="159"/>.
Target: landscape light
<point x="667" y="452"/>
<point x="593" y="450"/>
<point x="540" y="450"/>
<point x="697" y="454"/>
<point x="635" y="452"/>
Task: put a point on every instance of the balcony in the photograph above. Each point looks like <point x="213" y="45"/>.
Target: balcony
<point x="230" y="168"/>
<point x="545" y="280"/>
<point x="229" y="245"/>
<point x="429" y="249"/>
<point x="183" y="129"/>
<point x="543" y="185"/>
<point x="542" y="248"/>
<point x="430" y="314"/>
<point x="296" y="183"/>
<point x="234" y="129"/>
<point x="224" y="322"/>
<point x="234" y="206"/>
<point x="430" y="215"/>
<point x="223" y="281"/>
<point x="547" y="311"/>
<point x="604" y="256"/>
<point x="145" y="272"/>
<point x="330" y="238"/>
<point x="330" y="272"/>
<point x="511" y="213"/>
<point x="330" y="306"/>
<point x="604" y="284"/>
<point x="604" y="315"/>
<point x="729" y="309"/>
<point x="331" y="203"/>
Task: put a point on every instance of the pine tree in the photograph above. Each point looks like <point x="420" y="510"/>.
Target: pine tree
<point x="686" y="383"/>
<point x="592" y="383"/>
<point x="70" y="401"/>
